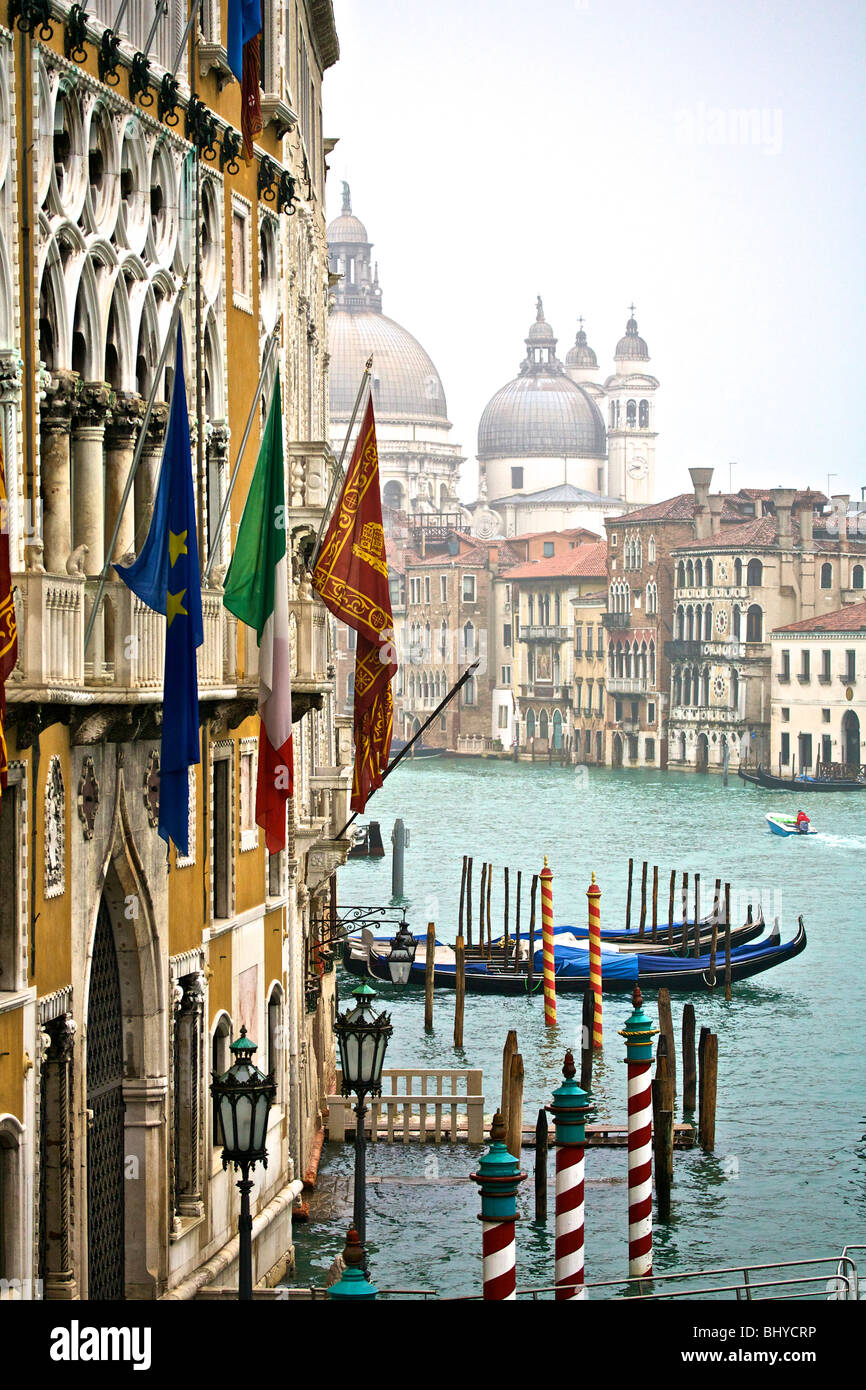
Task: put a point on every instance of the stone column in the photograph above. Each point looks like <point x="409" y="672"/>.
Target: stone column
<point x="120" y="438"/>
<point x="56" y="1268"/>
<point x="88" y="437"/>
<point x="187" y="1097"/>
<point x="217" y="455"/>
<point x="148" y="472"/>
<point x="55" y="424"/>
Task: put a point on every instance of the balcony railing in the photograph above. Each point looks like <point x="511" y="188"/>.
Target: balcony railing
<point x="627" y="685"/>
<point x="617" y="620"/>
<point x="543" y="632"/>
<point x="127" y="650"/>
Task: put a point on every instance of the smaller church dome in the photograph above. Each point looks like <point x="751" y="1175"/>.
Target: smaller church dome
<point x="581" y="355"/>
<point x="347" y="228"/>
<point x="632" y="347"/>
<point x="540" y="331"/>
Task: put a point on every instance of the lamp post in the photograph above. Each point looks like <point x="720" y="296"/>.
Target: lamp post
<point x="401" y="959"/>
<point x="362" y="1037"/>
<point x="243" y="1096"/>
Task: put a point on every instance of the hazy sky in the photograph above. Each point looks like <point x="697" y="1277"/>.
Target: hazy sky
<point x="594" y="153"/>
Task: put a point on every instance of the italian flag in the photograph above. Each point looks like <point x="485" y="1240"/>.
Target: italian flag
<point x="256" y="591"/>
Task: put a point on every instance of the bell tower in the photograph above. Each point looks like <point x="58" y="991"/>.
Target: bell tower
<point x="631" y="432"/>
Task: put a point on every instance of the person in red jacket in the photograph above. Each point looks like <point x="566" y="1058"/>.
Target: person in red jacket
<point x="802" y="822"/>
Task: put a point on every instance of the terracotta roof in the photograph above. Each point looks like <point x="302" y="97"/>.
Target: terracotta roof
<point x="586" y="561"/>
<point x="851" y="618"/>
<point x="763" y="531"/>
<point x="478" y="556"/>
<point x="679" y="508"/>
<point x="572" y="532"/>
<point x="757" y="531"/>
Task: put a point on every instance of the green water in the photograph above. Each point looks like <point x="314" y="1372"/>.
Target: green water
<point x="788" y="1177"/>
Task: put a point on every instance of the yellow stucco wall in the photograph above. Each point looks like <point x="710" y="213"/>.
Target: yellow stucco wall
<point x="53" y="924"/>
<point x="12" y="1066"/>
<point x="220" y="984"/>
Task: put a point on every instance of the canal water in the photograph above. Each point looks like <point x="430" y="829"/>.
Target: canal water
<point x="788" y="1177"/>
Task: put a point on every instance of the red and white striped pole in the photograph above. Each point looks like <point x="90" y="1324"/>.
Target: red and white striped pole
<point x="498" y="1177"/>
<point x="593" y="894"/>
<point x="548" y="963"/>
<point x="638" y="1033"/>
<point x="570" y="1111"/>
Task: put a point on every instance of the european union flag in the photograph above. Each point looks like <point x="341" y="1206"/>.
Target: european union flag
<point x="166" y="577"/>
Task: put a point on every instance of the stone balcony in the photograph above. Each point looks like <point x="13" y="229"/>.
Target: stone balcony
<point x="543" y="632"/>
<point x="617" y="620"/>
<point x="707" y="714"/>
<point x="125" y="657"/>
<point x="627" y="685"/>
<point x="700" y="649"/>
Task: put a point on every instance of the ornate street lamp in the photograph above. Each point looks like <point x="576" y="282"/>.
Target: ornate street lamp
<point x="362" y="1037"/>
<point x="242" y="1098"/>
<point x="403" y="948"/>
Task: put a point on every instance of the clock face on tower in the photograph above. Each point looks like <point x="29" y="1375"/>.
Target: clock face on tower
<point x="637" y="468"/>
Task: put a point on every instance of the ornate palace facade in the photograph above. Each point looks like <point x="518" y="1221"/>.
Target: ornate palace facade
<point x="124" y="971"/>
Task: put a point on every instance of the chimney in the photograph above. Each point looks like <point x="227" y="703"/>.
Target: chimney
<point x="806" y="518"/>
<point x="783" y="500"/>
<point x="717" y="506"/>
<point x="840" y="502"/>
<point x="701" y="479"/>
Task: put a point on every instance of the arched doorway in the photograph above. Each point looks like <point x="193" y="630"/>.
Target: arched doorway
<point x="557" y="729"/>
<point x="851" y="737"/>
<point x="702" y="758"/>
<point x="105" y="1137"/>
<point x="616" y="751"/>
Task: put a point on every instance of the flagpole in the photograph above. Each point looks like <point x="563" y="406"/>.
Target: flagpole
<point x="426" y="725"/>
<point x="224" y="510"/>
<point x="338" y="474"/>
<point x="136" y="459"/>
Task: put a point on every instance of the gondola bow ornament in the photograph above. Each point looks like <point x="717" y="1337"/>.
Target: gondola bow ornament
<point x="351" y="578"/>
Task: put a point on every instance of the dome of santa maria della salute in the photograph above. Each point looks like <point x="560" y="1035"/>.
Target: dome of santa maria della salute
<point x="419" y="464"/>
<point x="542" y="413"/>
<point x="406" y="384"/>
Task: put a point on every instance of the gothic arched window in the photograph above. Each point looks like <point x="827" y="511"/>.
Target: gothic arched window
<point x="643" y="415"/>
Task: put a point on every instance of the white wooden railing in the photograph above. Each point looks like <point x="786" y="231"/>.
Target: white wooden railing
<point x="443" y="1109"/>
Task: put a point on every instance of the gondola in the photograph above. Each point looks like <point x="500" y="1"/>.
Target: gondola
<point x="768" y="781"/>
<point x="613" y="937"/>
<point x="619" y="972"/>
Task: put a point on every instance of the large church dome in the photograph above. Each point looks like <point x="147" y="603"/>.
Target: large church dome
<point x="406" y="385"/>
<point x="542" y="413"/>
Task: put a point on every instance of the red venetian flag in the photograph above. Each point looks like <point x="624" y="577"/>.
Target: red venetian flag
<point x="351" y="576"/>
<point x="8" y="629"/>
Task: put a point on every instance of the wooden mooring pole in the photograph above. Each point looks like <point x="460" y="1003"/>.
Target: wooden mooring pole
<point x="505" y="960"/>
<point x="684" y="945"/>
<point x="489" y="928"/>
<point x="655" y="902"/>
<point x="460" y="990"/>
<point x="671" y="908"/>
<point x="517" y="923"/>
<point x="530" y="974"/>
<point x="481" y="906"/>
<point x="666" y="1029"/>
<point x="462" y="900"/>
<point x="429" y="975"/>
<point x="642" y="900"/>
<point x="728" y="941"/>
<point x="663" y="1153"/>
<point x="541" y="1166"/>
<point x="469" y="901"/>
<point x="508" y="1052"/>
<point x="514" y="1141"/>
<point x="696" y="950"/>
<point x="586" y="1049"/>
<point x="709" y="1070"/>
<point x="628" y="896"/>
<point x="690" y="1074"/>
